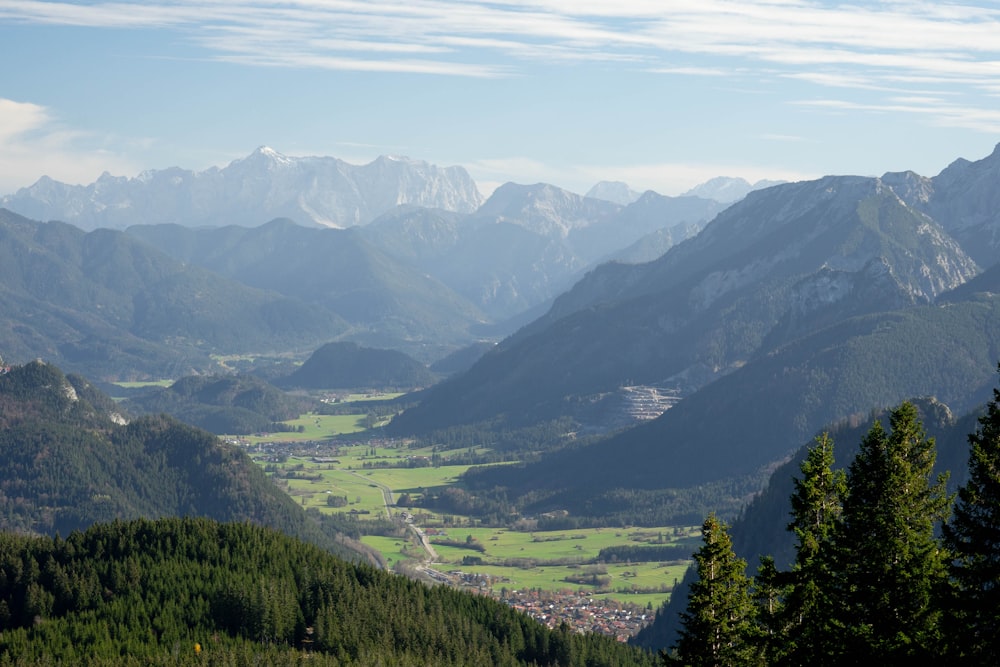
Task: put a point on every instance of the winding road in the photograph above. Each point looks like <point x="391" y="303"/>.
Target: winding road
<point x="389" y="502"/>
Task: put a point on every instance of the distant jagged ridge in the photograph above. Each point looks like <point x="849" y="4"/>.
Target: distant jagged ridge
<point x="324" y="191"/>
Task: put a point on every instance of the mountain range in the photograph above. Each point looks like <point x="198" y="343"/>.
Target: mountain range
<point x="402" y="254"/>
<point x="528" y="243"/>
<point x="830" y="296"/>
<point x="784" y="262"/>
<point x="321" y="191"/>
<point x="802" y="304"/>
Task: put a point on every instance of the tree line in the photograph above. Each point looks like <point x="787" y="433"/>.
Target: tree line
<point x="888" y="567"/>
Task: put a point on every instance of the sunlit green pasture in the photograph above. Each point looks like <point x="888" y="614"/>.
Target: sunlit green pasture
<point x="408" y="479"/>
<point x="393" y="549"/>
<point x="623" y="578"/>
<point x="377" y="396"/>
<point x="360" y="485"/>
<point x="362" y="493"/>
<point x="544" y="560"/>
<point x="314" y="427"/>
<point x="582" y="544"/>
<point x="147" y="383"/>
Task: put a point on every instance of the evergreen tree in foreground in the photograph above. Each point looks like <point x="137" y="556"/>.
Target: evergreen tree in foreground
<point x="973" y="536"/>
<point x="806" y="634"/>
<point x="717" y="626"/>
<point x="891" y="569"/>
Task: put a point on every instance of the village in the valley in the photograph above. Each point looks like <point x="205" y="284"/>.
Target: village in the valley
<point x="580" y="611"/>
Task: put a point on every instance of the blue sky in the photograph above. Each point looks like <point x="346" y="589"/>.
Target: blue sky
<point x="661" y="94"/>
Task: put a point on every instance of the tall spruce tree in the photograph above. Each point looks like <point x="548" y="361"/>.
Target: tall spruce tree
<point x="973" y="536"/>
<point x="890" y="566"/>
<point x="717" y="628"/>
<point x="807" y="635"/>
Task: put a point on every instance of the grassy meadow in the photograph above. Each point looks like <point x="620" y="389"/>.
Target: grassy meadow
<point x="314" y="428"/>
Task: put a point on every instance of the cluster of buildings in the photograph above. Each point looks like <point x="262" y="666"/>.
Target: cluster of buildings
<point x="582" y="612"/>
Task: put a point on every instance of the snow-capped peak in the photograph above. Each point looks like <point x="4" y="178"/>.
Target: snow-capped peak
<point x="271" y="155"/>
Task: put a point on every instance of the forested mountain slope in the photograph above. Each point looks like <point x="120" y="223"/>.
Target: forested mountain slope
<point x="350" y="366"/>
<point x="68" y="459"/>
<point x="228" y="404"/>
<point x="387" y="301"/>
<point x="762" y="412"/>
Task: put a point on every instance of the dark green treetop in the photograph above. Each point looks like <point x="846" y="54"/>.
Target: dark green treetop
<point x="717" y="626"/>
<point x="816" y="509"/>
<point x="973" y="536"/>
<point x="891" y="566"/>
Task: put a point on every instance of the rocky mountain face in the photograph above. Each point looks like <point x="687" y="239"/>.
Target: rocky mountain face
<point x="787" y="234"/>
<point x="964" y="199"/>
<point x="545" y="209"/>
<point x="265" y="185"/>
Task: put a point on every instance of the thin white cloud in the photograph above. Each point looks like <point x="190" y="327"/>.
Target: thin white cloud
<point x="20" y="118"/>
<point x="766" y="29"/>
<point x="693" y="71"/>
<point x="936" y="111"/>
<point x="783" y="137"/>
<point x="32" y="142"/>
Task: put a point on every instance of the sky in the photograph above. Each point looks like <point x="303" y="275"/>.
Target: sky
<point x="660" y="94"/>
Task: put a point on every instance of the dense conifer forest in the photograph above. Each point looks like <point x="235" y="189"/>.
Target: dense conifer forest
<point x="195" y="591"/>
